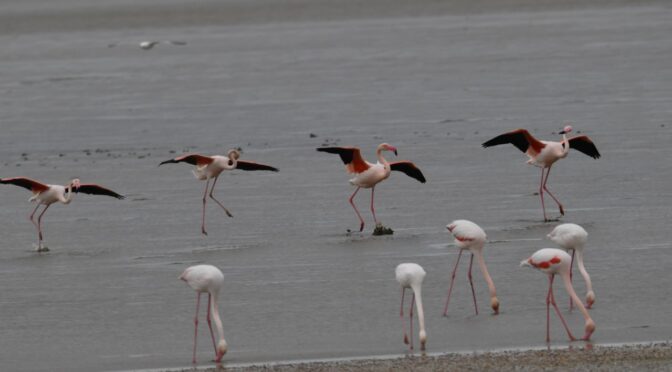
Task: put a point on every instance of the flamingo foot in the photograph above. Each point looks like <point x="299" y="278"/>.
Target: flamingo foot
<point x="406" y="339"/>
<point x="42" y="248"/>
<point x="361" y="227"/>
<point x="228" y="213"/>
<point x="204" y="232"/>
<point x="562" y="210"/>
<point x="422" y="346"/>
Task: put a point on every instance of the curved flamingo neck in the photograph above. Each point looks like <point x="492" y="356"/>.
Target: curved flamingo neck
<point x="565" y="145"/>
<point x="214" y="310"/>
<point x="484" y="269"/>
<point x="582" y="270"/>
<point x="379" y="155"/>
<point x="421" y="312"/>
<point x="574" y="296"/>
<point x="68" y="196"/>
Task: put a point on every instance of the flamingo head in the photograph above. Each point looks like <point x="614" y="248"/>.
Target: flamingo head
<point x="450" y="227"/>
<point x="75" y="184"/>
<point x="233" y="154"/>
<point x="590" y="299"/>
<point x="423" y="339"/>
<point x="494" y="304"/>
<point x="222" y="347"/>
<point x="566" y="130"/>
<point x="388" y="147"/>
<point x="590" y="328"/>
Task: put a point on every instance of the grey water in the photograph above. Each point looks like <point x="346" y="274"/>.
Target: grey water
<point x="298" y="285"/>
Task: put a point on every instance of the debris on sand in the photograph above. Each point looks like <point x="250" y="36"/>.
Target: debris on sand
<point x="382" y="230"/>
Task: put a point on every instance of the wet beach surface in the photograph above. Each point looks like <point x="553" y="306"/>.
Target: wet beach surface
<point x="436" y="84"/>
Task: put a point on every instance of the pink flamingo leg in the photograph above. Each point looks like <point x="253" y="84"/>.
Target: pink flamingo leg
<point x="401" y="315"/>
<point x="471" y="281"/>
<point x="571" y="265"/>
<point x="411" y="318"/>
<point x="373" y="210"/>
<point x="562" y="319"/>
<point x="452" y="280"/>
<point x="562" y="210"/>
<point x="205" y="193"/>
<point x="39" y="224"/>
<point x="361" y="220"/>
<point x="541" y="194"/>
<point x="198" y="303"/>
<point x="210" y="324"/>
<point x="36" y="227"/>
<point x="212" y="190"/>
<point x="548" y="308"/>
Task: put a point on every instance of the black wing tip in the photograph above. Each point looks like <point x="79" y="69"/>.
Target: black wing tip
<point x="168" y="162"/>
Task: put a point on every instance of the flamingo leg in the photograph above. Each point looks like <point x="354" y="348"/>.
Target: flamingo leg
<point x="373" y="210"/>
<point x="452" y="280"/>
<point x="401" y="315"/>
<point x="39" y="227"/>
<point x="548" y="308"/>
<point x="205" y="193"/>
<point x="210" y="324"/>
<point x="471" y="281"/>
<point x="562" y="210"/>
<point x="571" y="265"/>
<point x="212" y="190"/>
<point x="411" y="318"/>
<point x="361" y="220"/>
<point x="36" y="227"/>
<point x="198" y="303"/>
<point x="541" y="194"/>
<point x="557" y="311"/>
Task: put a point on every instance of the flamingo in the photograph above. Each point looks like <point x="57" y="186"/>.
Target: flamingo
<point x="210" y="167"/>
<point x="47" y="195"/>
<point x="368" y="175"/>
<point x="207" y="279"/>
<point x="469" y="235"/>
<point x="573" y="237"/>
<point x="411" y="275"/>
<point x="544" y="154"/>
<point x="554" y="261"/>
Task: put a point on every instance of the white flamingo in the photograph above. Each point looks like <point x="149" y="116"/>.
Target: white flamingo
<point x="544" y="154"/>
<point x="573" y="237"/>
<point x="368" y="175"/>
<point x="554" y="261"/>
<point x="411" y="275"/>
<point x="207" y="279"/>
<point x="47" y="195"/>
<point x="210" y="167"/>
<point x="469" y="235"/>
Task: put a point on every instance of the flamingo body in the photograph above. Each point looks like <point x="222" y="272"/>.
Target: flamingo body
<point x="411" y="275"/>
<point x="470" y="236"/>
<point x="552" y="261"/>
<point x="207" y="279"/>
<point x="544" y="154"/>
<point x="573" y="237"/>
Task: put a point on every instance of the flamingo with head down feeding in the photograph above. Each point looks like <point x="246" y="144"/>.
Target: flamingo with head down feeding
<point x="469" y="235"/>
<point x="573" y="237"/>
<point x="47" y="195"/>
<point x="554" y="261"/>
<point x="544" y="154"/>
<point x="411" y="275"/>
<point x="368" y="175"/>
<point x="210" y="167"/>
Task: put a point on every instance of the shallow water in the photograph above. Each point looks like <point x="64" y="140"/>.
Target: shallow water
<point x="298" y="286"/>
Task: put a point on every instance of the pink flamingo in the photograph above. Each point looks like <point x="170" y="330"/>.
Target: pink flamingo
<point x="469" y="235"/>
<point x="573" y="237"/>
<point x="544" y="154"/>
<point x="411" y="275"/>
<point x="210" y="167"/>
<point x="207" y="279"/>
<point x="47" y="195"/>
<point x="368" y="175"/>
<point x="553" y="261"/>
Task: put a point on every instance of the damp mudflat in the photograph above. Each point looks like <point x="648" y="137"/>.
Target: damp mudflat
<point x="434" y="82"/>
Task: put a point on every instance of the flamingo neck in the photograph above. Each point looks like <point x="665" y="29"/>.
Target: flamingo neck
<point x="68" y="196"/>
<point x="214" y="310"/>
<point x="494" y="302"/>
<point x="573" y="295"/>
<point x="381" y="159"/>
<point x="565" y="145"/>
<point x="584" y="273"/>
<point x="421" y="314"/>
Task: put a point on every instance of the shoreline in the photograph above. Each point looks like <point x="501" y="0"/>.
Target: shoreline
<point x="649" y="356"/>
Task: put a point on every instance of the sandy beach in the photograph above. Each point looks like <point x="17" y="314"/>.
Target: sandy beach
<point x="80" y="98"/>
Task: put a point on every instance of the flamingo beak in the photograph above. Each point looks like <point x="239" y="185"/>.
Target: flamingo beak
<point x="395" y="151"/>
<point x="562" y="132"/>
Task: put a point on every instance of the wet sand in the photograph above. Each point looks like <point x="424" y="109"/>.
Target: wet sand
<point x="434" y="83"/>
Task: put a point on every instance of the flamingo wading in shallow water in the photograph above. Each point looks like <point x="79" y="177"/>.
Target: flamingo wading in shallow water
<point x="573" y="237"/>
<point x="368" y="175"/>
<point x="469" y="235"/>
<point x="210" y="167"/>
<point x="47" y="195"/>
<point x="554" y="261"/>
<point x="544" y="154"/>
<point x="411" y="275"/>
<point x="207" y="279"/>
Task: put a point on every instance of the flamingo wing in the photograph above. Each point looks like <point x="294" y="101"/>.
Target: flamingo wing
<point x="97" y="190"/>
<point x="520" y="138"/>
<point x="253" y="166"/>
<point x="351" y="157"/>
<point x="193" y="159"/>
<point x="584" y="145"/>
<point x="26" y="183"/>
<point x="409" y="168"/>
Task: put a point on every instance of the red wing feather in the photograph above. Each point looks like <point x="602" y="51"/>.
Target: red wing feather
<point x="351" y="157"/>
<point x="26" y="183"/>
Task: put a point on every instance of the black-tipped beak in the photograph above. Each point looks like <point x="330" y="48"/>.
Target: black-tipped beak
<point x="395" y="152"/>
<point x="562" y="132"/>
